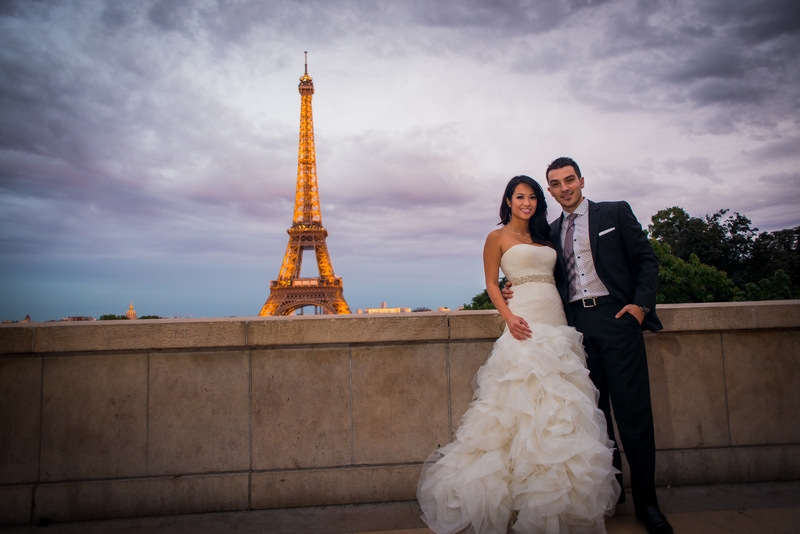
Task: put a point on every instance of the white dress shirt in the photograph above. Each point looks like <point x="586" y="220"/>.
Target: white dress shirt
<point x="588" y="283"/>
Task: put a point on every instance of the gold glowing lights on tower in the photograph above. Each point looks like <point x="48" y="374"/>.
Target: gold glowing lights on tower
<point x="290" y="292"/>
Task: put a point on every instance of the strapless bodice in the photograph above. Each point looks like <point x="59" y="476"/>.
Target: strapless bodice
<point x="528" y="260"/>
<point x="530" y="270"/>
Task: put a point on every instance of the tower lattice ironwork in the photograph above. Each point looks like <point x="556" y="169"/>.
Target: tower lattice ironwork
<point x="290" y="292"/>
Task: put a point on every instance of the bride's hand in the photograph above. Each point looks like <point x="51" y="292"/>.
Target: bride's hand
<point x="519" y="328"/>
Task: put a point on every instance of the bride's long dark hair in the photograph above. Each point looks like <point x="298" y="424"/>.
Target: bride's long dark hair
<point x="537" y="224"/>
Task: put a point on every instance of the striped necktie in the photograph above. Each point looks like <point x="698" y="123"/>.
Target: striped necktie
<point x="569" y="255"/>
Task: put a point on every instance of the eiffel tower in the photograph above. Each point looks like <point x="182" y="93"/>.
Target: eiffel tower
<point x="290" y="292"/>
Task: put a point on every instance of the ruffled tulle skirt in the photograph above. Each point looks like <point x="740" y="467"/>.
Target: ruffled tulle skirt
<point x="532" y="454"/>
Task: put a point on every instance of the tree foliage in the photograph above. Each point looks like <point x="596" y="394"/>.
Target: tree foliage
<point x="728" y="243"/>
<point x="777" y="251"/>
<point x="481" y="301"/>
<point x="719" y="240"/>
<point x="690" y="281"/>
<point x="112" y="317"/>
<point x="778" y="287"/>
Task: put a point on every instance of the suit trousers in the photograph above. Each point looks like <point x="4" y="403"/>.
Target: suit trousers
<point x="617" y="364"/>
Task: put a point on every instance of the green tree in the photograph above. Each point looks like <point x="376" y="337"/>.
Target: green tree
<point x="719" y="240"/>
<point x="690" y="281"/>
<point x="670" y="226"/>
<point x="777" y="251"/>
<point x="729" y="243"/>
<point x="778" y="287"/>
<point x="112" y="317"/>
<point x="481" y="301"/>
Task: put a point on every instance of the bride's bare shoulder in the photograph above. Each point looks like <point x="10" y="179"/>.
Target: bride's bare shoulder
<point x="498" y="242"/>
<point x="494" y="236"/>
<point x="493" y="245"/>
<point x="497" y="239"/>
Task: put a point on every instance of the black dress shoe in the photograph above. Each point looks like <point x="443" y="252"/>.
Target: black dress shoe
<point x="654" y="520"/>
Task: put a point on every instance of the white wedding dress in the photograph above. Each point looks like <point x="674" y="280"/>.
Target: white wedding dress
<point x="531" y="454"/>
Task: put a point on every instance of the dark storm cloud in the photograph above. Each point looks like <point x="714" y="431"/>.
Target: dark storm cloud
<point x="715" y="60"/>
<point x="506" y="15"/>
<point x="780" y="185"/>
<point x="696" y="166"/>
<point x="719" y="92"/>
<point x="401" y="171"/>
<point x="171" y="15"/>
<point x="635" y="184"/>
<point x="775" y="208"/>
<point x="736" y="58"/>
<point x="756" y="21"/>
<point x="325" y="22"/>
<point x="227" y="24"/>
<point x="787" y="148"/>
<point x="105" y="148"/>
<point x="408" y="190"/>
<point x="116" y="15"/>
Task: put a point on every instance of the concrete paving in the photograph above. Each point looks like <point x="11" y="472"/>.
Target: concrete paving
<point x="772" y="507"/>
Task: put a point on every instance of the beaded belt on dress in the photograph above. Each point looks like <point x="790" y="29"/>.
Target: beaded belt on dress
<point x="539" y="278"/>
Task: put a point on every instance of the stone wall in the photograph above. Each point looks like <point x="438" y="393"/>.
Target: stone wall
<point x="122" y="419"/>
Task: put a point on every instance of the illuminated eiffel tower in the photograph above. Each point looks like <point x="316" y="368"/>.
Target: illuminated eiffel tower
<point x="290" y="292"/>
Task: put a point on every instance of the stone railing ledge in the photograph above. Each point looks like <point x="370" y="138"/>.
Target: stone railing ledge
<point x="356" y="328"/>
<point x="142" y="334"/>
<point x="154" y="334"/>
<point x="472" y="324"/>
<point x="201" y="333"/>
<point x="730" y="315"/>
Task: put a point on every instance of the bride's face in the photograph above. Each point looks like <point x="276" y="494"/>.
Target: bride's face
<point x="522" y="202"/>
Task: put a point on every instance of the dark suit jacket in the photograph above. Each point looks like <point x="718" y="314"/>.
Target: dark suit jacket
<point x="623" y="258"/>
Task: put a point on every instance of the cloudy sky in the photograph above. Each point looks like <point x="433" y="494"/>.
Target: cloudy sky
<point x="148" y="150"/>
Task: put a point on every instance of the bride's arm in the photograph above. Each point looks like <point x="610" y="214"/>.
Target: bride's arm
<point x="491" y="269"/>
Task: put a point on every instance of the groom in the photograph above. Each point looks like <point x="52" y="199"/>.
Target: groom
<point x="609" y="274"/>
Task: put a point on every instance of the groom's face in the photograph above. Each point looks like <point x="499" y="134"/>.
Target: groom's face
<point x="565" y="186"/>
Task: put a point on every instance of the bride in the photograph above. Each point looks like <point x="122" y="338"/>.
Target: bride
<point x="532" y="454"/>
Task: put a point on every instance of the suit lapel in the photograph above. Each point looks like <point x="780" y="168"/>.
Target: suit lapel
<point x="594" y="228"/>
<point x="556" y="239"/>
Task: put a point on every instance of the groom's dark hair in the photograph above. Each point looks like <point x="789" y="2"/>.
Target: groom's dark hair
<point x="560" y="163"/>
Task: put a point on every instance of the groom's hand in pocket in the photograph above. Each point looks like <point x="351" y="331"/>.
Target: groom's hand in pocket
<point x="634" y="310"/>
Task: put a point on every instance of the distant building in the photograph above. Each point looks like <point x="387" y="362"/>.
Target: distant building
<point x="131" y="313"/>
<point x="384" y="309"/>
<point x="74" y="318"/>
